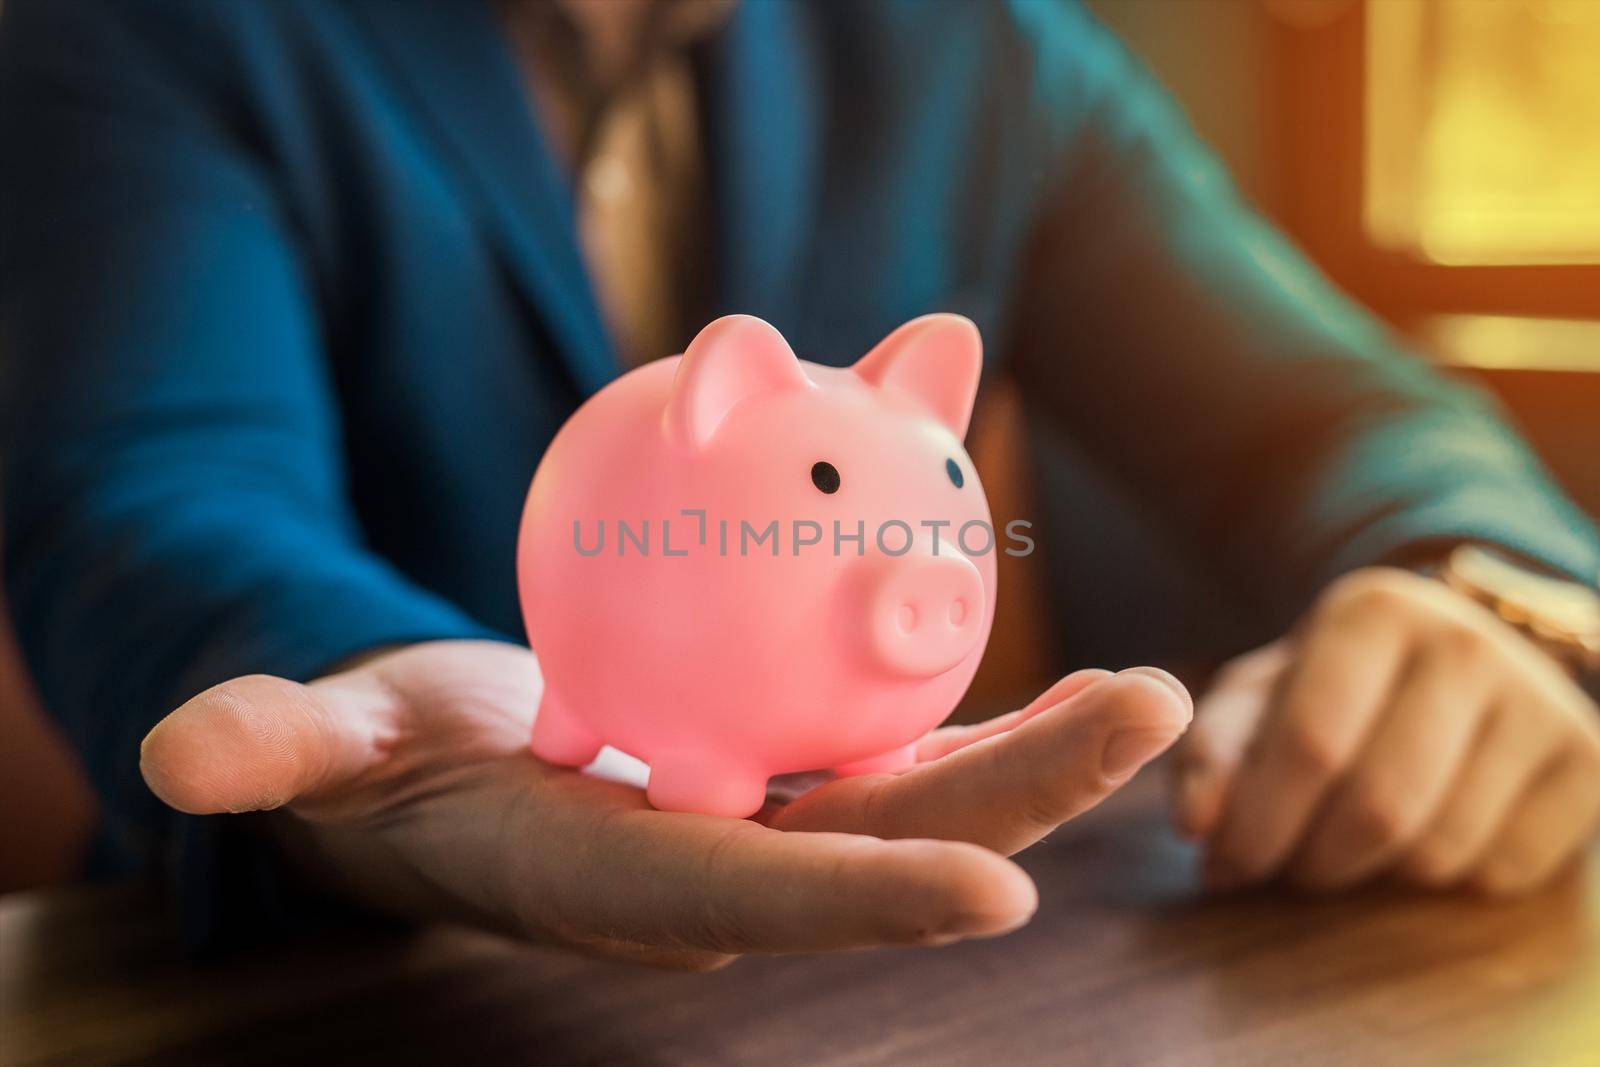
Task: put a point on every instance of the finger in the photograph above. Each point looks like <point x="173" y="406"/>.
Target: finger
<point x="1328" y="700"/>
<point x="947" y="739"/>
<point x="1548" y="826"/>
<point x="256" y="743"/>
<point x="1401" y="777"/>
<point x="701" y="883"/>
<point x="1511" y="748"/>
<point x="1008" y="791"/>
<point x="697" y="960"/>
<point x="1209" y="754"/>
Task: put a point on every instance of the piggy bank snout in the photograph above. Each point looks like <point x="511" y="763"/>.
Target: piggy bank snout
<point x="925" y="615"/>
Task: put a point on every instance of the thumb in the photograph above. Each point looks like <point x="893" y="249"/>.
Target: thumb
<point x="1225" y="724"/>
<point x="254" y="743"/>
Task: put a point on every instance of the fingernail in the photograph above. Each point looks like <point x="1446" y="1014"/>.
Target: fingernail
<point x="1128" y="750"/>
<point x="963" y="927"/>
<point x="1167" y="680"/>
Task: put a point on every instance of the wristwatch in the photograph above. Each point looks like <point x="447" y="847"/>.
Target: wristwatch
<point x="1559" y="615"/>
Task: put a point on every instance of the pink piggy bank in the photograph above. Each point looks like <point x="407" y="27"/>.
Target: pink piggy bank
<point x="734" y="564"/>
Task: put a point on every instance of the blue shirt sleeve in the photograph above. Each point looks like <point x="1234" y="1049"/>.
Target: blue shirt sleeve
<point x="170" y="442"/>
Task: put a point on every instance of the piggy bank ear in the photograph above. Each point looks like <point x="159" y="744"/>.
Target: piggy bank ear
<point x="732" y="360"/>
<point x="936" y="359"/>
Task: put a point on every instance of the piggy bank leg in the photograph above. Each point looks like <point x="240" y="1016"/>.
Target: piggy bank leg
<point x="891" y="762"/>
<point x="706" y="785"/>
<point x="559" y="738"/>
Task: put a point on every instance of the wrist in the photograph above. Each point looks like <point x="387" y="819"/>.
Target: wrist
<point x="1557" y="614"/>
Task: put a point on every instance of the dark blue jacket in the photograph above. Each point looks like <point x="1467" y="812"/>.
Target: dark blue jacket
<point x="290" y="304"/>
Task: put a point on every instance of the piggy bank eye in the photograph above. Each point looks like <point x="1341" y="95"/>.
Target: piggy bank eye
<point x="953" y="469"/>
<point x="825" y="476"/>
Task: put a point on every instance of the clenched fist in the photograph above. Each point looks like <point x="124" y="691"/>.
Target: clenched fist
<point x="1402" y="728"/>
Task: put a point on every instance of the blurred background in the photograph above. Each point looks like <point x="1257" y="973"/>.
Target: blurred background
<point x="1437" y="157"/>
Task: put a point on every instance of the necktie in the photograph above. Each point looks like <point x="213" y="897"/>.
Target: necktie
<point x="618" y="100"/>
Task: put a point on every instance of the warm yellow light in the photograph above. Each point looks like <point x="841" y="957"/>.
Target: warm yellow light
<point x="1513" y="342"/>
<point x="1483" y="129"/>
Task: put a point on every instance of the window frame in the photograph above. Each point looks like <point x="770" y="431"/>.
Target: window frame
<point x="1321" y="117"/>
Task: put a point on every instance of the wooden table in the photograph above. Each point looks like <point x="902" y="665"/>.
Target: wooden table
<point x="1125" y="964"/>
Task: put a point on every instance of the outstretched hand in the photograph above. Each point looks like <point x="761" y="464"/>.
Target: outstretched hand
<point x="412" y="790"/>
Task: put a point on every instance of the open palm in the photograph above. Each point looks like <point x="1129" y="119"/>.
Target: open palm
<point x="411" y="789"/>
